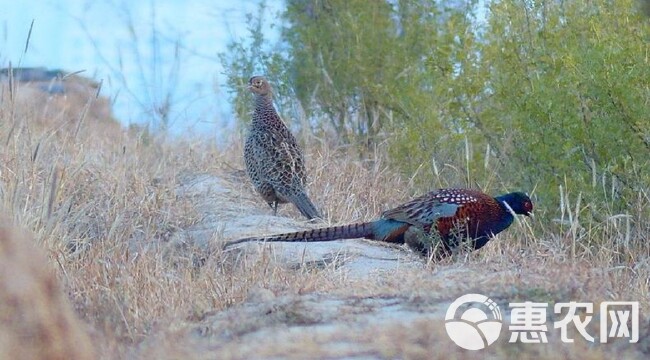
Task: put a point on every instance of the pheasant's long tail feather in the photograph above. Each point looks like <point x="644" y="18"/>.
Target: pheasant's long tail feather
<point x="352" y="231"/>
<point x="305" y="206"/>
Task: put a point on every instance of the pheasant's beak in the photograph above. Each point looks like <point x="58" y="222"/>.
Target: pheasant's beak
<point x="530" y="215"/>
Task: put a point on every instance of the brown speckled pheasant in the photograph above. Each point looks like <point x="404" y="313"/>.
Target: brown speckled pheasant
<point x="437" y="222"/>
<point x="274" y="161"/>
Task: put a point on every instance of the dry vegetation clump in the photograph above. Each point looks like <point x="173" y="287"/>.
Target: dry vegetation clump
<point x="103" y="204"/>
<point x="37" y="319"/>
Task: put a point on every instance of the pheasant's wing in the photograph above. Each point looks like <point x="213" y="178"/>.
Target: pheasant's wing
<point x="427" y="209"/>
<point x="294" y="155"/>
<point x="421" y="212"/>
<point x="285" y="161"/>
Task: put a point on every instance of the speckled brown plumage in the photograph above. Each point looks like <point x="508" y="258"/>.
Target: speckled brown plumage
<point x="435" y="223"/>
<point x="274" y="161"/>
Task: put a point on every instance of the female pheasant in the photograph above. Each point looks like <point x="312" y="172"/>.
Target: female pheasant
<point x="274" y="161"/>
<point x="448" y="217"/>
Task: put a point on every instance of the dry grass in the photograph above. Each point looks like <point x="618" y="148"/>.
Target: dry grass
<point x="101" y="202"/>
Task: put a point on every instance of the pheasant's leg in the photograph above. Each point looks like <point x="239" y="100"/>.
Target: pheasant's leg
<point x="416" y="239"/>
<point x="426" y="243"/>
<point x="275" y="208"/>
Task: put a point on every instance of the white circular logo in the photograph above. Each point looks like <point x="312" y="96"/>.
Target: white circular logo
<point x="473" y="329"/>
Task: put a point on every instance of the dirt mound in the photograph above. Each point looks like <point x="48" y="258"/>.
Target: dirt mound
<point x="228" y="211"/>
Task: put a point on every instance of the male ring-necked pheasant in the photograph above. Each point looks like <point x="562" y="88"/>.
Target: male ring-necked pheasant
<point x="274" y="161"/>
<point x="447" y="217"/>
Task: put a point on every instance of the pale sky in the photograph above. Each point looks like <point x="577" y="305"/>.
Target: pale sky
<point x="94" y="36"/>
